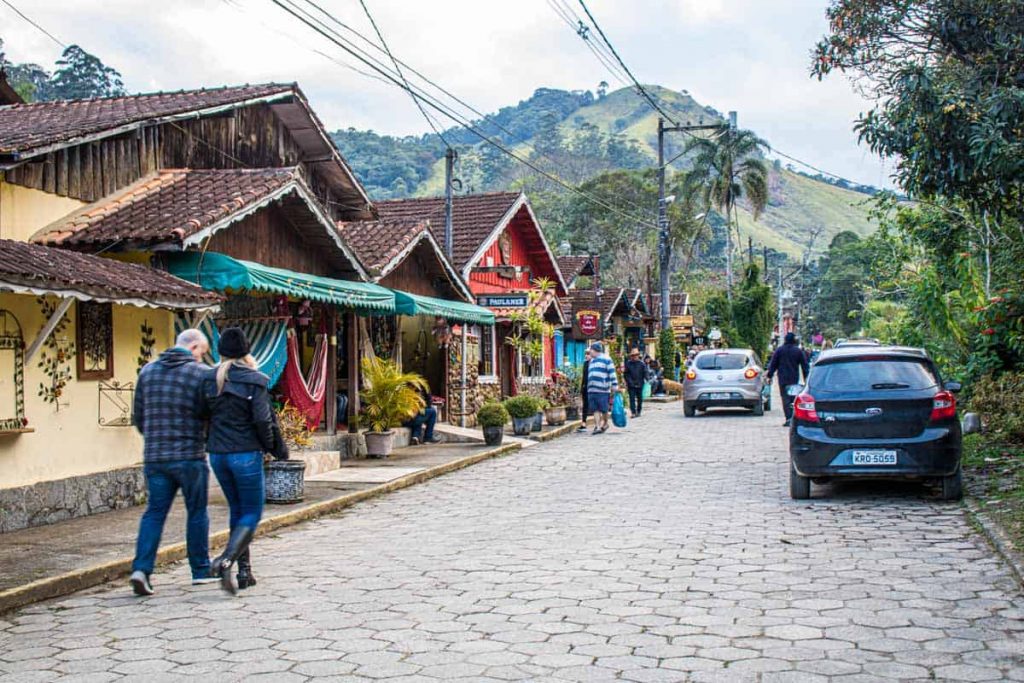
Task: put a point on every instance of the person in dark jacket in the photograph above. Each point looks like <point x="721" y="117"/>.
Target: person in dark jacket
<point x="583" y="390"/>
<point x="635" y="373"/>
<point x="422" y="424"/>
<point x="168" y="413"/>
<point x="242" y="429"/>
<point x="788" y="361"/>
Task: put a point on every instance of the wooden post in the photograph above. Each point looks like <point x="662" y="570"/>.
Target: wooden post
<point x="352" y="357"/>
<point x="331" y="414"/>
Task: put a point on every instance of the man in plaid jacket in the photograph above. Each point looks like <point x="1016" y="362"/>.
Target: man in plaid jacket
<point x="168" y="412"/>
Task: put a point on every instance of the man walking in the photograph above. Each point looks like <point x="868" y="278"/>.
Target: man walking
<point x="788" y="361"/>
<point x="635" y="374"/>
<point x="583" y="390"/>
<point x="168" y="413"/>
<point x="601" y="382"/>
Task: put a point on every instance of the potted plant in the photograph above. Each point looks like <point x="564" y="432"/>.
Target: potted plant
<point x="556" y="393"/>
<point x="573" y="376"/>
<point x="523" y="409"/>
<point x="391" y="397"/>
<point x="538" y="417"/>
<point x="284" y="480"/>
<point x="492" y="417"/>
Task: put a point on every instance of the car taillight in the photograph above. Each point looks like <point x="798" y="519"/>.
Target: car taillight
<point x="803" y="408"/>
<point x="691" y="374"/>
<point x="943" y="406"/>
<point x="751" y="373"/>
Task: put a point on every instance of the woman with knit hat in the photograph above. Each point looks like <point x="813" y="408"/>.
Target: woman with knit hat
<point x="242" y="429"/>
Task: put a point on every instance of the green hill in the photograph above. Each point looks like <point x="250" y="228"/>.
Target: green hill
<point x="578" y="135"/>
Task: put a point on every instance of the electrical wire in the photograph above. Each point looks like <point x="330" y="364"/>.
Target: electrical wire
<point x="332" y="36"/>
<point x="40" y="28"/>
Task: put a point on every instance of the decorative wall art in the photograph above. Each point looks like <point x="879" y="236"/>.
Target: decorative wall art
<point x="95" y="333"/>
<point x="54" y="356"/>
<point x="12" y="375"/>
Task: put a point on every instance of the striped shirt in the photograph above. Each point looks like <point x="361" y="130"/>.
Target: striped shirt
<point x="601" y="377"/>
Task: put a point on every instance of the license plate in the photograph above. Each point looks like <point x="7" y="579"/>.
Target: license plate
<point x="874" y="457"/>
<point x="721" y="397"/>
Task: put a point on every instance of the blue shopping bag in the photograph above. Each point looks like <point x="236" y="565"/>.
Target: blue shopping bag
<point x="618" y="411"/>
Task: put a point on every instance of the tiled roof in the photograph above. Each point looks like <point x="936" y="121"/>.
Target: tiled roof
<point x="32" y="267"/>
<point x="377" y="243"/>
<point x="25" y="127"/>
<point x="676" y="304"/>
<point x="609" y="299"/>
<point x="572" y="266"/>
<point x="474" y="218"/>
<point x="167" y="206"/>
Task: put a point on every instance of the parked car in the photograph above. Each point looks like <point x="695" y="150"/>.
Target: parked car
<point x="858" y="341"/>
<point x="725" y="378"/>
<point x="878" y="412"/>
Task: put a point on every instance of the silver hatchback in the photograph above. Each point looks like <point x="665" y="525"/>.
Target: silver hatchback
<point x="725" y="378"/>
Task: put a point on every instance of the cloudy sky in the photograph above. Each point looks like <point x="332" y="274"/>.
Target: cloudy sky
<point x="751" y="56"/>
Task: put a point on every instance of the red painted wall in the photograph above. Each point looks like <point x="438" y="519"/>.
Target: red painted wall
<point x="526" y="250"/>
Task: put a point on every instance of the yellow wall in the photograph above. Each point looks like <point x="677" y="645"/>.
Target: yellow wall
<point x="69" y="442"/>
<point x="24" y="211"/>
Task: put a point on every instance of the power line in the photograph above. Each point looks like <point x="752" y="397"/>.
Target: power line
<point x="324" y="31"/>
<point x="401" y="75"/>
<point x="41" y="29"/>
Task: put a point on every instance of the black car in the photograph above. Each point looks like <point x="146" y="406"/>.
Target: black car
<point x="878" y="412"/>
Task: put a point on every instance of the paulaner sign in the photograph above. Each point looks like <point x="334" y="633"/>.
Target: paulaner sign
<point x="503" y="300"/>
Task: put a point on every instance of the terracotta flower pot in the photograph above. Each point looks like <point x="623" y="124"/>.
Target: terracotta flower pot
<point x="555" y="416"/>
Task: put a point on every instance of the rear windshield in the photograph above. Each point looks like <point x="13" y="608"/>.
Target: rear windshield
<point x="872" y="375"/>
<point x="722" y="361"/>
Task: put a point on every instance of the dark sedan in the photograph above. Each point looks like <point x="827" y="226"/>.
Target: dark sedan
<point x="875" y="412"/>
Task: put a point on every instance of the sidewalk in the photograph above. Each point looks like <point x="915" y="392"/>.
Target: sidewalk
<point x="49" y="561"/>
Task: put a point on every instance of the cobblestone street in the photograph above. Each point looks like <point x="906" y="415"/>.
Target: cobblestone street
<point x="666" y="552"/>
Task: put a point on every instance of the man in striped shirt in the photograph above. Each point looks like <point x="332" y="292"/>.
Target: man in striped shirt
<point x="601" y="382"/>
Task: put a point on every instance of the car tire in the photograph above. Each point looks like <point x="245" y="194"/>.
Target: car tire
<point x="758" y="408"/>
<point x="953" y="485"/>
<point x="688" y="409"/>
<point x="799" y="487"/>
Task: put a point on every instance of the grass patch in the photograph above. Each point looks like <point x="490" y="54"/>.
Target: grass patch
<point x="994" y="476"/>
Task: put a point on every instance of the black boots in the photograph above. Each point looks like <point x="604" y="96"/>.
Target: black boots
<point x="237" y="544"/>
<point x="245" y="577"/>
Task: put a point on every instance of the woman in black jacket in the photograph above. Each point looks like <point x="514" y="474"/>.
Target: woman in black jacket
<point x="242" y="429"/>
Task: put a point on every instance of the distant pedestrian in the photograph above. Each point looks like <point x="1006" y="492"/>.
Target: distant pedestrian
<point x="657" y="378"/>
<point x="168" y="412"/>
<point x="584" y="375"/>
<point x="635" y="374"/>
<point x="242" y="429"/>
<point x="601" y="382"/>
<point x="788" y="361"/>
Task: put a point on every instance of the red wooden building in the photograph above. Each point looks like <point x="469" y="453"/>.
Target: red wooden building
<point x="499" y="249"/>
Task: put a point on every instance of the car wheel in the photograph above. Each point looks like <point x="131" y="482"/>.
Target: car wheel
<point x="688" y="409"/>
<point x="953" y="486"/>
<point x="758" y="408"/>
<point x="799" y="487"/>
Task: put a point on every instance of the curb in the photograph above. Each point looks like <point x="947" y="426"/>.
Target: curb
<point x="70" y="582"/>
<point x="997" y="538"/>
<point x="555" y="433"/>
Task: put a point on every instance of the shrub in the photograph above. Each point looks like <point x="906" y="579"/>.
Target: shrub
<point x="667" y="352"/>
<point x="492" y="414"/>
<point x="522" y="406"/>
<point x="391" y="396"/>
<point x="996" y="399"/>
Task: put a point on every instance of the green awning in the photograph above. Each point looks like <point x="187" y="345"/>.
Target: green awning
<point x="458" y="311"/>
<point x="221" y="273"/>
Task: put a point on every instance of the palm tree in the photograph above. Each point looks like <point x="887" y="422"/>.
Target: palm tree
<point x="728" y="168"/>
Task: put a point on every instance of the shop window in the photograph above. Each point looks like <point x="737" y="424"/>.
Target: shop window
<point x="95" y="347"/>
<point x="487" y="347"/>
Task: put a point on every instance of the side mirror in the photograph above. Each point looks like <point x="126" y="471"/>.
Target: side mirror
<point x="794" y="389"/>
<point x="971" y="423"/>
<point x="953" y="387"/>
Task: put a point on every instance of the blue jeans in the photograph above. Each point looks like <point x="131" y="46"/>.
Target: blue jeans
<point x="241" y="477"/>
<point x="428" y="418"/>
<point x="163" y="479"/>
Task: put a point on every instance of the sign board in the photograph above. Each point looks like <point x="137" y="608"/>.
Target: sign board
<point x="587" y="322"/>
<point x="681" y="324"/>
<point x="503" y="300"/>
<point x="700" y="341"/>
<point x="715" y="334"/>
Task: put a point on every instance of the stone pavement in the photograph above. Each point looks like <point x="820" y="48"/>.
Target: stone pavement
<point x="667" y="552"/>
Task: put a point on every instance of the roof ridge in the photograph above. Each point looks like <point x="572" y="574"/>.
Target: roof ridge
<point x="156" y="93"/>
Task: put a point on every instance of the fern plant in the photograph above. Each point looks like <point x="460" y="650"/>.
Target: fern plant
<point x="390" y="395"/>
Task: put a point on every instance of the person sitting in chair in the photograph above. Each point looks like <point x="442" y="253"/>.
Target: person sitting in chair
<point x="422" y="424"/>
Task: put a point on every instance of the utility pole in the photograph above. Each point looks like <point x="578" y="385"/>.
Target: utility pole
<point x="780" y="305"/>
<point x="764" y="248"/>
<point x="449" y="165"/>
<point x="664" y="253"/>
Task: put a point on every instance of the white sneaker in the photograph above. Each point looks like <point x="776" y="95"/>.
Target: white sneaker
<point x="205" y="580"/>
<point x="140" y="583"/>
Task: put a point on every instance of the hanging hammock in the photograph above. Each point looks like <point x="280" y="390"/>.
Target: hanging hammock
<point x="306" y="393"/>
<point x="267" y="339"/>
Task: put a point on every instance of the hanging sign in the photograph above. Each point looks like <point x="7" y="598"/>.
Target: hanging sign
<point x="588" y="323"/>
<point x="503" y="300"/>
<point x="700" y="341"/>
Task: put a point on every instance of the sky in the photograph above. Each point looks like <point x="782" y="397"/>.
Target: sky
<point x="751" y="56"/>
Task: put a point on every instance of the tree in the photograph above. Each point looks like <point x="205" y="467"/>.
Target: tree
<point x="728" y="168"/>
<point x="753" y="313"/>
<point x="80" y="75"/>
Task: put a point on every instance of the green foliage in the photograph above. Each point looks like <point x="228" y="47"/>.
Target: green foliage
<point x="718" y="312"/>
<point x="389" y="167"/>
<point x="492" y="414"/>
<point x="997" y="400"/>
<point x="522" y="406"/>
<point x="667" y="352"/>
<point x="753" y="313"/>
<point x="78" y="75"/>
<point x="390" y="395"/>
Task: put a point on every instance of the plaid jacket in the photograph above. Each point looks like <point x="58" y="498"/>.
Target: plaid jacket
<point x="169" y="407"/>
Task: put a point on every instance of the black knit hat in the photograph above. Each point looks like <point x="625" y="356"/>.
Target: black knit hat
<point x="233" y="343"/>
